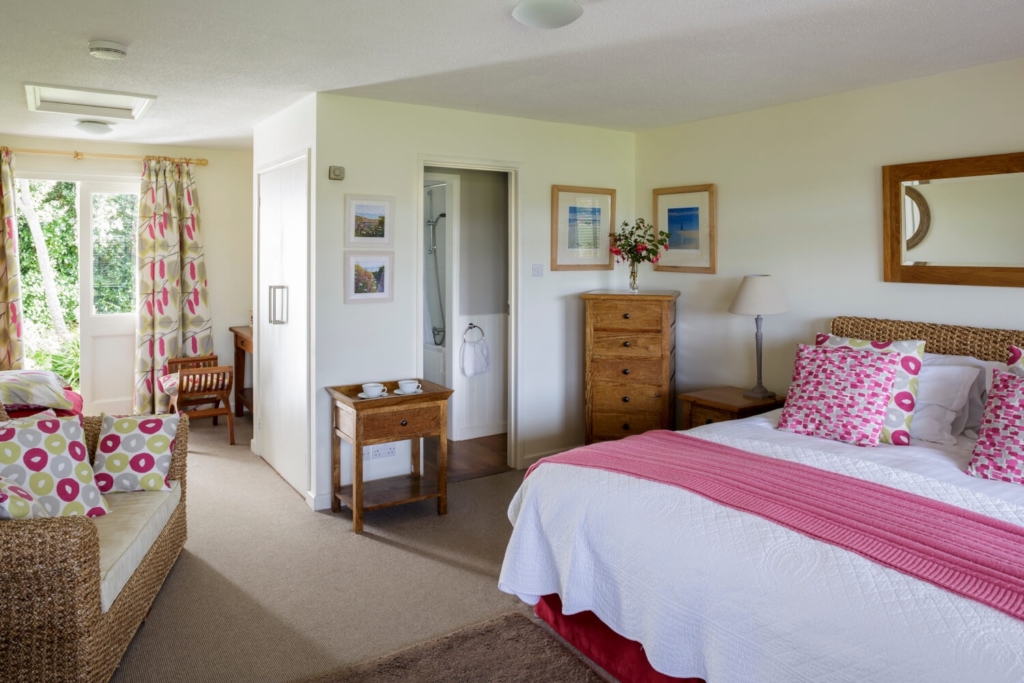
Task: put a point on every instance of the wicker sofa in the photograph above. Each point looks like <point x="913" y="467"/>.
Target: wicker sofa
<point x="52" y="625"/>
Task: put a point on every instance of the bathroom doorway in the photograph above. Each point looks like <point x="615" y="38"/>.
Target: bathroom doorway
<point x="466" y="304"/>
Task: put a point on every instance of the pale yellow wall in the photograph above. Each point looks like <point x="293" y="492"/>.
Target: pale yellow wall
<point x="225" y="203"/>
<point x="799" y="197"/>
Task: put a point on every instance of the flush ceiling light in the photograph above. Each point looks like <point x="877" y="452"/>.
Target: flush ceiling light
<point x="94" y="127"/>
<point x="106" y="49"/>
<point x="547" y="13"/>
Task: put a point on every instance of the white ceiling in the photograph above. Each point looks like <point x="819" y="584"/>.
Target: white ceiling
<point x="220" y="66"/>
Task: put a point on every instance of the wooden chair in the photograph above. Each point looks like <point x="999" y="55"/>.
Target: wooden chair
<point x="205" y="385"/>
<point x="176" y="365"/>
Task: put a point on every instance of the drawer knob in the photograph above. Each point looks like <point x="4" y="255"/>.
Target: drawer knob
<point x="627" y="344"/>
<point x="626" y="371"/>
<point x="625" y="399"/>
<point x="405" y="423"/>
<point x="709" y="421"/>
<point x="626" y="316"/>
<point x="625" y="427"/>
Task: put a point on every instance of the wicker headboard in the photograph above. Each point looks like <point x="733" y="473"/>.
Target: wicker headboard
<point x="951" y="340"/>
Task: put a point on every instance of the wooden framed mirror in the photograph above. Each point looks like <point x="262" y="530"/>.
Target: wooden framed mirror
<point x="955" y="221"/>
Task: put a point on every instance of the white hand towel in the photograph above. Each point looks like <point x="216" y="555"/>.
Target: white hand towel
<point x="474" y="358"/>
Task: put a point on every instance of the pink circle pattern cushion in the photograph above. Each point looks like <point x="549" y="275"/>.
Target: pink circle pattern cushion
<point x="839" y="394"/>
<point x="900" y="413"/>
<point x="999" y="453"/>
<point x="45" y="462"/>
<point x="1016" y="361"/>
<point x="134" y="453"/>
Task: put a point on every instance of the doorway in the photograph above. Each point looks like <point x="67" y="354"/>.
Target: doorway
<point x="466" y="310"/>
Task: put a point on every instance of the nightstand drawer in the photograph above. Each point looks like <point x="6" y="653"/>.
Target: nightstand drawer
<point x="626" y="315"/>
<point x="626" y="345"/>
<point x="628" y="398"/>
<point x="401" y="424"/>
<point x="702" y="415"/>
<point x="627" y="371"/>
<point x="618" y="425"/>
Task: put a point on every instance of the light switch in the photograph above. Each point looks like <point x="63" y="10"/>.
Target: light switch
<point x="538" y="270"/>
<point x="336" y="172"/>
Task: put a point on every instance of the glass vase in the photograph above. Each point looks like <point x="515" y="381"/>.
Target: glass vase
<point x="633" y="287"/>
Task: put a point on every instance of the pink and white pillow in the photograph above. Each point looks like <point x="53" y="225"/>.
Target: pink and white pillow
<point x="840" y="394"/>
<point x="48" y="460"/>
<point x="900" y="412"/>
<point x="999" y="453"/>
<point x="17" y="503"/>
<point x="1015" y="362"/>
<point x="134" y="453"/>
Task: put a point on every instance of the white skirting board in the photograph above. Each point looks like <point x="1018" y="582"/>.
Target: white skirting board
<point x="480" y="403"/>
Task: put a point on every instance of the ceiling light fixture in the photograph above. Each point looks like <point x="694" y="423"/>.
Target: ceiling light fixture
<point x="547" y="13"/>
<point x="94" y="127"/>
<point x="106" y="49"/>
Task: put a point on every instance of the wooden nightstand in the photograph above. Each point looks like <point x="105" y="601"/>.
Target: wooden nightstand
<point x="721" y="404"/>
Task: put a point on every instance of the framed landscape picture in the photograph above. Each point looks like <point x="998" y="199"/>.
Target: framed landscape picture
<point x="368" y="221"/>
<point x="687" y="214"/>
<point x="369" y="277"/>
<point x="582" y="219"/>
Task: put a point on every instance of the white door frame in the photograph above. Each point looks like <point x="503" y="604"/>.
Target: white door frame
<point x="259" y="297"/>
<point x="512" y="169"/>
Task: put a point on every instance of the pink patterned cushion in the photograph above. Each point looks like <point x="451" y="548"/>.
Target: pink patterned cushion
<point x="903" y="400"/>
<point x="168" y="384"/>
<point x="1016" y="361"/>
<point x="134" y="452"/>
<point x="839" y="394"/>
<point x="999" y="453"/>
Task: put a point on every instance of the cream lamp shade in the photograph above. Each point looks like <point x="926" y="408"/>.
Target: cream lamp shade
<point x="758" y="295"/>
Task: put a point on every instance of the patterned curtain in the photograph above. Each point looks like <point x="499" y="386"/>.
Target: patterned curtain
<point x="173" y="304"/>
<point x="12" y="354"/>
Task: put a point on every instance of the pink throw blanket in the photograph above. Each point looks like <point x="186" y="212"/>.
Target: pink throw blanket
<point x="961" y="551"/>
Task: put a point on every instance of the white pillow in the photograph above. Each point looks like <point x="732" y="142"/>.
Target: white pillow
<point x="941" y="395"/>
<point x="969" y="416"/>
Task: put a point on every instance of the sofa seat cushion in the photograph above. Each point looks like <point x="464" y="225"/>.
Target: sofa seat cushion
<point x="127" y="533"/>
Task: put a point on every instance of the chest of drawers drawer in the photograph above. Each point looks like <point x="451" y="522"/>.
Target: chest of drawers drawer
<point x="628" y="398"/>
<point x="626" y="371"/>
<point x="618" y="425"/>
<point x="702" y="415"/>
<point x="625" y="315"/>
<point x="626" y="345"/>
<point x="401" y="424"/>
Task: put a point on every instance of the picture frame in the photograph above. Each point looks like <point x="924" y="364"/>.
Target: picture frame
<point x="368" y="221"/>
<point x="688" y="215"/>
<point x="582" y="222"/>
<point x="366" y="274"/>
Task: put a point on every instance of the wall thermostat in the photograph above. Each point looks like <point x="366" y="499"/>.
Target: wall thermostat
<point x="336" y="172"/>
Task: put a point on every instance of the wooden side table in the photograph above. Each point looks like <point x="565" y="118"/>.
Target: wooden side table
<point x="365" y="422"/>
<point x="243" y="345"/>
<point x="721" y="404"/>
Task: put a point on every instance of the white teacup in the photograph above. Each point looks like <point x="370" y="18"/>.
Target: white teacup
<point x="373" y="390"/>
<point x="409" y="386"/>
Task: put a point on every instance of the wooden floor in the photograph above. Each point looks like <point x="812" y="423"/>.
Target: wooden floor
<point x="471" y="458"/>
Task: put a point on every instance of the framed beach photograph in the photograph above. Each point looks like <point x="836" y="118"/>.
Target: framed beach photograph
<point x="582" y="219"/>
<point x="368" y="221"/>
<point x="687" y="214"/>
<point x="369" y="277"/>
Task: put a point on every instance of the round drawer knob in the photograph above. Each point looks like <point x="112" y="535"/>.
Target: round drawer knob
<point x="626" y="316"/>
<point x="709" y="421"/>
<point x="625" y="399"/>
<point x="405" y="423"/>
<point x="626" y="371"/>
<point x="625" y="427"/>
<point x="627" y="344"/>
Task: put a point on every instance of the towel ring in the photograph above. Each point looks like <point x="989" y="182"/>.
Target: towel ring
<point x="470" y="329"/>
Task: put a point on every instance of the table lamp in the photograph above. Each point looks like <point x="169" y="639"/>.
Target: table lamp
<point x="758" y="295"/>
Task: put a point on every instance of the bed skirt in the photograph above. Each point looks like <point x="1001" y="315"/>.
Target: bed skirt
<point x="622" y="658"/>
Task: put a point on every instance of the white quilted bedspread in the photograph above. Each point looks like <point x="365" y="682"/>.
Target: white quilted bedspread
<point x="730" y="597"/>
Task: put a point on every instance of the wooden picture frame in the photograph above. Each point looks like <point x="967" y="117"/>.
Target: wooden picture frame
<point x="369" y="221"/>
<point x="582" y="222"/>
<point x="895" y="268"/>
<point x="689" y="215"/>
<point x="366" y="272"/>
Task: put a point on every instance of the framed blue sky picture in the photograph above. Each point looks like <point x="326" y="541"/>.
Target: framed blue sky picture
<point x="687" y="214"/>
<point x="582" y="219"/>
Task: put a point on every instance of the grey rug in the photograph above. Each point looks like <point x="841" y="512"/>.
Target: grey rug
<point x="509" y="649"/>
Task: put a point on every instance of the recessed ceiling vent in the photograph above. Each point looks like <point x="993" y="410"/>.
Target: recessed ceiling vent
<point x="59" y="99"/>
<point x="106" y="49"/>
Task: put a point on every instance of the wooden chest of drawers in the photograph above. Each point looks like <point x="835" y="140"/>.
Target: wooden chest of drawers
<point x="629" y="363"/>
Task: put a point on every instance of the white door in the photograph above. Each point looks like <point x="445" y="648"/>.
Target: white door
<point x="108" y="215"/>
<point x="282" y="341"/>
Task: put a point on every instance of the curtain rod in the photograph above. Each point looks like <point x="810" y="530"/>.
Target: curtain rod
<point x="100" y="155"/>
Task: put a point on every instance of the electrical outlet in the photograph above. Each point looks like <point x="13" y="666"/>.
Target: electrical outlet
<point x="538" y="269"/>
<point x="384" y="450"/>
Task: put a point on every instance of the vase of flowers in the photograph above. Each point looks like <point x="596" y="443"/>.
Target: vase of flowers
<point x="635" y="244"/>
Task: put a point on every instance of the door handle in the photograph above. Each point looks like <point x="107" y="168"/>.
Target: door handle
<point x="278" y="305"/>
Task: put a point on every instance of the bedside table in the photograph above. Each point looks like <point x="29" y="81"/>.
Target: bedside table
<point x="721" y="404"/>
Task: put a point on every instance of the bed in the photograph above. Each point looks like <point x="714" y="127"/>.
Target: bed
<point x="658" y="583"/>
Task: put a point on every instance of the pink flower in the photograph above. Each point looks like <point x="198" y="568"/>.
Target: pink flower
<point x="641" y="248"/>
<point x="616" y="251"/>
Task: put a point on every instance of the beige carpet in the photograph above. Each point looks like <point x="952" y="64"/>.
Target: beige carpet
<point x="267" y="590"/>
<point x="509" y="649"/>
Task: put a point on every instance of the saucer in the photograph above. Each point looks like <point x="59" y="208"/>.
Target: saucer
<point x="362" y="395"/>
<point x="408" y="393"/>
